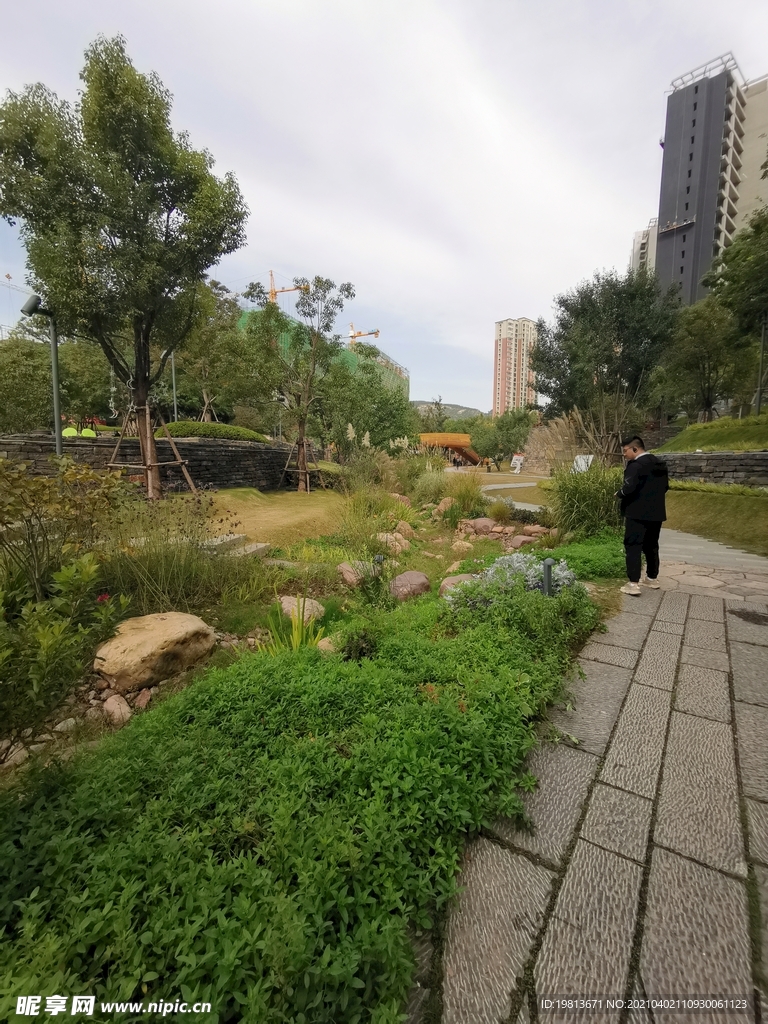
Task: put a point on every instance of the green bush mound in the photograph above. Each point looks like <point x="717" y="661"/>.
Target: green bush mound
<point x="265" y="839"/>
<point x="723" y="435"/>
<point x="224" y="431"/>
<point x="601" y="557"/>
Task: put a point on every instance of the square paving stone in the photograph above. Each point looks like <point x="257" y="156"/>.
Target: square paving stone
<point x="588" y="941"/>
<point x="750" y="673"/>
<point x="708" y="608"/>
<point x="490" y="931"/>
<point x="673" y="607"/>
<point x="564" y="776"/>
<point x="751" y="733"/>
<point x="623" y="657"/>
<point x="704" y="659"/>
<point x="634" y="757"/>
<point x="618" y="821"/>
<point x="703" y="692"/>
<point x="696" y="934"/>
<point x="663" y="626"/>
<point x="596" y="701"/>
<point x="705" y="634"/>
<point x="658" y="662"/>
<point x="625" y="630"/>
<point x="758" y="833"/>
<point x="698" y="812"/>
<point x="749" y="624"/>
<point x="644" y="603"/>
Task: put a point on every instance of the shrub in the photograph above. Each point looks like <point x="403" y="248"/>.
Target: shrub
<point x="431" y="486"/>
<point x="224" y="431"/>
<point x="368" y="467"/>
<point x="504" y="575"/>
<point x="408" y="469"/>
<point x="280" y="825"/>
<point x="43" y="519"/>
<point x="45" y="646"/>
<point x="585" y="503"/>
<point x="468" y="494"/>
<point x="500" y="511"/>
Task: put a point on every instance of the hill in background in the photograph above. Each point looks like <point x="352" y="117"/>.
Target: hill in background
<point x="454" y="412"/>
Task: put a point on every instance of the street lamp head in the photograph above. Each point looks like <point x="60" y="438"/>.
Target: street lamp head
<point x="32" y="305"/>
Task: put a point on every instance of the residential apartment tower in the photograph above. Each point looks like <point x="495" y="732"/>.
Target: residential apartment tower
<point x="514" y="385"/>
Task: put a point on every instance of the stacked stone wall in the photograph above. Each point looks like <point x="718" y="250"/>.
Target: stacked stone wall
<point x="211" y="463"/>
<point x="750" y="468"/>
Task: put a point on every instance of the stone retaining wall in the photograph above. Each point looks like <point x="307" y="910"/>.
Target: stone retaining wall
<point x="211" y="463"/>
<point x="749" y="468"/>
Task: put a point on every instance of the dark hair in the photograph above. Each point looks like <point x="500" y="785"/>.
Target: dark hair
<point x="632" y="440"/>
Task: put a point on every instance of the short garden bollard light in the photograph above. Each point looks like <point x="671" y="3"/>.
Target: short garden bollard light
<point x="548" y="563"/>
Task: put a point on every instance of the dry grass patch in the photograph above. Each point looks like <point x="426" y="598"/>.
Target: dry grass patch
<point x="281" y="517"/>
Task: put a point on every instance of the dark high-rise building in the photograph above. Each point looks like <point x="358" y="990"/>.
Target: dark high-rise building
<point x="700" y="174"/>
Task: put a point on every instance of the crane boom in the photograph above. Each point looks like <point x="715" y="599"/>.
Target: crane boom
<point x="273" y="292"/>
<point x="354" y="335"/>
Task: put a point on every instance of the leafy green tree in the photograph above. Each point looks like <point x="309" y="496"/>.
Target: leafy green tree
<point x="26" y="397"/>
<point x="85" y="382"/>
<point x="513" y="428"/>
<point x="361" y="398"/>
<point x="708" y="360"/>
<point x="214" y="368"/>
<point x="607" y="336"/>
<point x="121" y="218"/>
<point x="487" y="441"/>
<point x="739" y="278"/>
<point x="434" y="418"/>
<point x="294" y="356"/>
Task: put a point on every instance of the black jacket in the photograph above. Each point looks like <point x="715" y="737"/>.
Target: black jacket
<point x="646" y="481"/>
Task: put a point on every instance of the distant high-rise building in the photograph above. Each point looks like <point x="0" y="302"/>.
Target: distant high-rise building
<point x="714" y="143"/>
<point x="514" y="385"/>
<point x="644" y="247"/>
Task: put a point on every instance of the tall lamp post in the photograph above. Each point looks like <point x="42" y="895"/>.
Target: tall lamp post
<point x="34" y="304"/>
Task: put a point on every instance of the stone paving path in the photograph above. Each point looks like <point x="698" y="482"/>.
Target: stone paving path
<point x="646" y="870"/>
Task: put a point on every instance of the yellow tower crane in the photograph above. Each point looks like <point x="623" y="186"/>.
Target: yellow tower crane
<point x="273" y="292"/>
<point x="354" y="335"/>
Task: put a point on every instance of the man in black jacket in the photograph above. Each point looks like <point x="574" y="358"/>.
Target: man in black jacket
<point x="646" y="481"/>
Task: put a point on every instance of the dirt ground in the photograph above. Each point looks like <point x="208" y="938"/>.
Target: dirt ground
<point x="281" y="517"/>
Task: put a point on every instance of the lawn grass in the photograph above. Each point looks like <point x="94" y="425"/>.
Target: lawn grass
<point x="723" y="435"/>
<point x="738" y="520"/>
<point x="533" y="495"/>
<point x="280" y="517"/>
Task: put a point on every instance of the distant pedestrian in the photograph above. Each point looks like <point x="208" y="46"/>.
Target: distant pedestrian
<point x="643" y="506"/>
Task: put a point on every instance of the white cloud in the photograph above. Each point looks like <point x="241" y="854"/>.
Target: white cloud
<point x="458" y="161"/>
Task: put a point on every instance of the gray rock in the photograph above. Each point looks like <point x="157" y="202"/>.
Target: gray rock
<point x="117" y="710"/>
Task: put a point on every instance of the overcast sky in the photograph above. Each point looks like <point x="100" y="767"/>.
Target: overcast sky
<point x="460" y="161"/>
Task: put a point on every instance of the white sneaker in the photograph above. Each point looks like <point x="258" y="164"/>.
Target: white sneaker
<point x="631" y="588"/>
<point x="648" y="582"/>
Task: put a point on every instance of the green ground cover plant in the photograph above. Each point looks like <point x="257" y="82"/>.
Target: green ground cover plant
<point x="224" y="431"/>
<point x="265" y="839"/>
<point x="722" y="435"/>
<point x="710" y="488"/>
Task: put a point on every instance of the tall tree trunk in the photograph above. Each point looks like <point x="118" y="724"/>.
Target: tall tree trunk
<point x="302" y="456"/>
<point x="148" y="446"/>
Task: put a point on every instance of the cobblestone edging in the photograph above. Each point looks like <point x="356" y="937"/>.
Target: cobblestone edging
<point x="211" y="463"/>
<point x="646" y="871"/>
<point x="719" y="467"/>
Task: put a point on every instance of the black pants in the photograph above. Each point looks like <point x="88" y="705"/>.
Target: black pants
<point x="641" y="536"/>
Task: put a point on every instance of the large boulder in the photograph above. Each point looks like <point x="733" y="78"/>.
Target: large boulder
<point x="409" y="584"/>
<point x="535" y="530"/>
<point x="517" y="542"/>
<point x="402" y="498"/>
<point x="451" y="581"/>
<point x="395" y="542"/>
<point x="149" y="648"/>
<point x="405" y="529"/>
<point x="482" y="526"/>
<point x="445" y="504"/>
<point x="312" y="609"/>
